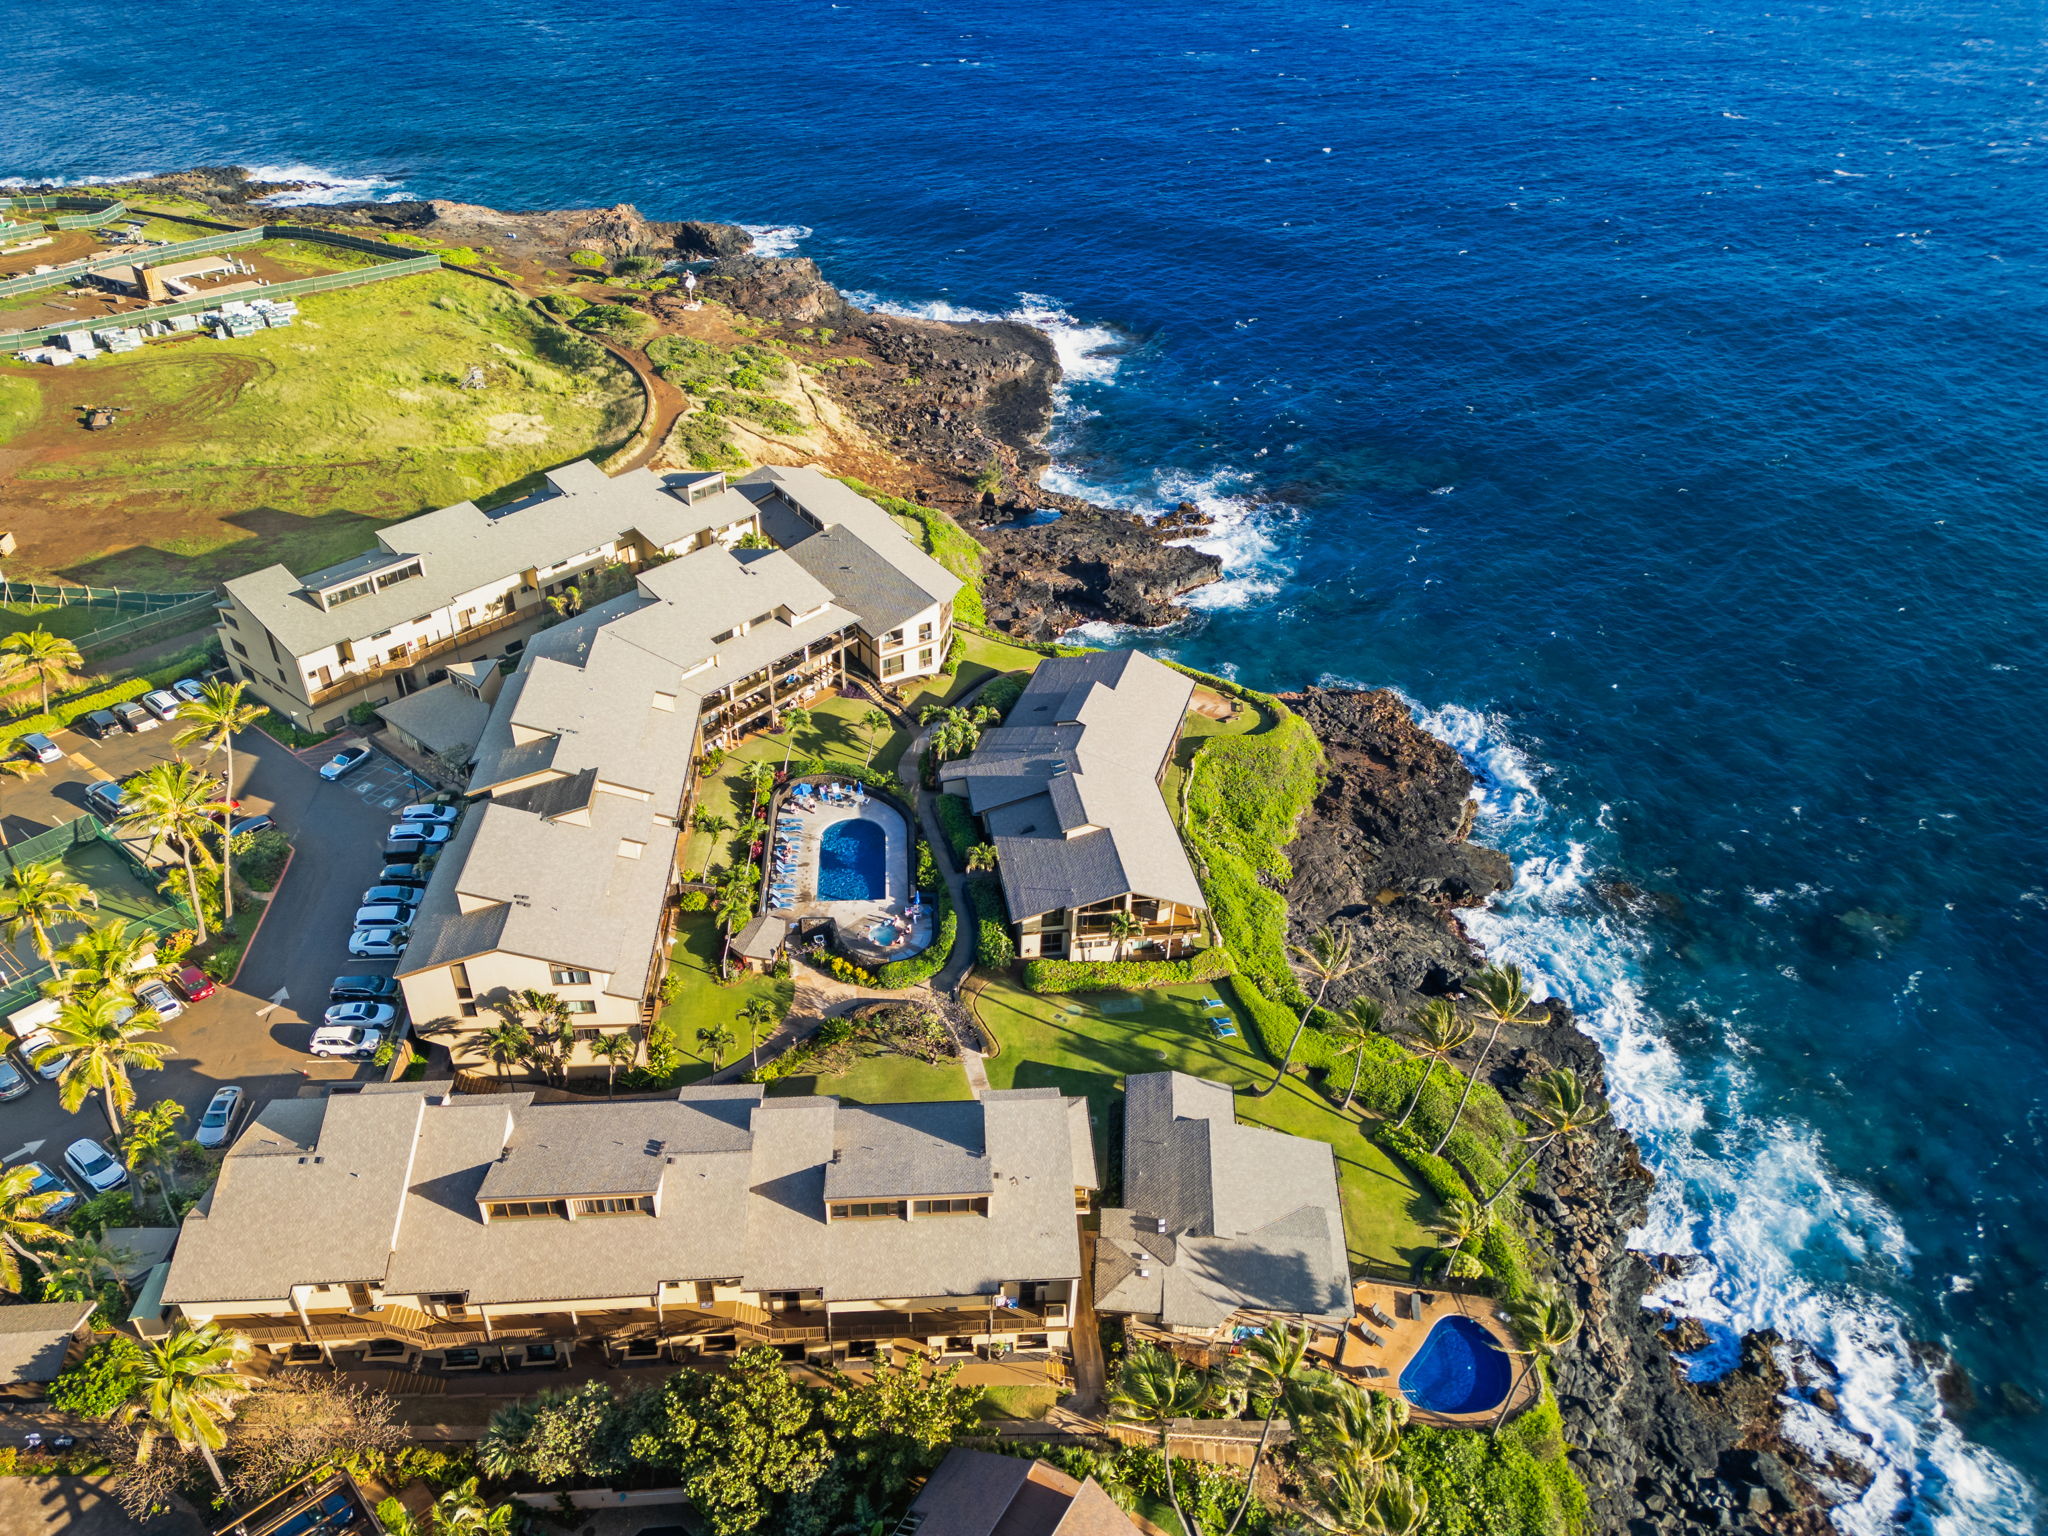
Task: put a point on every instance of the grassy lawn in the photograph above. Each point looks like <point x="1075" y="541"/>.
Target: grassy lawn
<point x="705" y="1003"/>
<point x="1196" y="727"/>
<point x="291" y="445"/>
<point x="1081" y="1044"/>
<point x="1017" y="1402"/>
<point x="883" y="1077"/>
<point x="66" y="619"/>
<point x="980" y="659"/>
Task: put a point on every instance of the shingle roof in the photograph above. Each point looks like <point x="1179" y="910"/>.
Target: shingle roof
<point x="35" y="1336"/>
<point x="1219" y="1217"/>
<point x="980" y="1493"/>
<point x="444" y="718"/>
<point x="1068" y="785"/>
<point x="830" y="506"/>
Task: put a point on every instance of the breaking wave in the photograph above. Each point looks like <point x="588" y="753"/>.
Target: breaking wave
<point x="777" y="239"/>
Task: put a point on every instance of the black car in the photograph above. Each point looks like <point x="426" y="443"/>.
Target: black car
<point x="404" y="852"/>
<point x="363" y="989"/>
<point x="99" y="725"/>
<point x="400" y="874"/>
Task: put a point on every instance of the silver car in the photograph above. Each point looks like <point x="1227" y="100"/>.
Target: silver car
<point x="219" y="1118"/>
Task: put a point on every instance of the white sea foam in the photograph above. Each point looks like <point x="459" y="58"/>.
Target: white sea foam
<point x="327" y="187"/>
<point x="1775" y="1234"/>
<point x="777" y="239"/>
<point x="1089" y="353"/>
<point x="107" y="180"/>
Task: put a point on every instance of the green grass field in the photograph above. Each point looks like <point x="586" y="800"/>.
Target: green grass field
<point x="291" y="445"/>
<point x="883" y="1077"/>
<point x="1082" y="1044"/>
<point x="704" y="1002"/>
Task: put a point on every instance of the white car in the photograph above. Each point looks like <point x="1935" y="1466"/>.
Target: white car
<point x="189" y="689"/>
<point x="162" y="703"/>
<point x="344" y="761"/>
<point x="377" y="943"/>
<point x="427" y="834"/>
<point x="219" y="1118"/>
<point x="371" y="1015"/>
<point x="94" y="1166"/>
<point x="431" y="815"/>
<point x="346" y="1040"/>
<point x="387" y="914"/>
<point x="157" y="996"/>
<point x="33" y="1045"/>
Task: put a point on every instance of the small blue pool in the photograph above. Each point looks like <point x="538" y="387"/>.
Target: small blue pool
<point x="853" y="862"/>
<point x="1459" y="1369"/>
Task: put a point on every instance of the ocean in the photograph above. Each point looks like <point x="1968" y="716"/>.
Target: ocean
<point x="1648" y="392"/>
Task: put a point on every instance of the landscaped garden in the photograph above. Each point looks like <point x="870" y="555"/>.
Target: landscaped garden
<point x="707" y="1022"/>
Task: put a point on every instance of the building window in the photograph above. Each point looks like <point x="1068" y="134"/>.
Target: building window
<point x="522" y="1210"/>
<point x="562" y="976"/>
<point x="924" y="631"/>
<point x="240" y="649"/>
<point x="958" y="1207"/>
<point x="866" y="1210"/>
<point x="894" y="637"/>
<point x="459" y="974"/>
<point x="578" y="1005"/>
<point x="892" y="666"/>
<point x="586" y="1033"/>
<point x="924" y="659"/>
<point x="631" y="1205"/>
<point x="467" y="1009"/>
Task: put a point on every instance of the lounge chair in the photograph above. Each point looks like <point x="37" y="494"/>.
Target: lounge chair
<point x="1374" y="1372"/>
<point x="1369" y="1336"/>
<point x="1373" y="1311"/>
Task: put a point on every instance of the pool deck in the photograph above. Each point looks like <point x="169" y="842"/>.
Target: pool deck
<point x="855" y="918"/>
<point x="1405" y="1337"/>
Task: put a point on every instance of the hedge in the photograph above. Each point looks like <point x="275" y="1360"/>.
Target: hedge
<point x="925" y="964"/>
<point x="957" y="822"/>
<point x="1124" y="975"/>
<point x="812" y="767"/>
<point x="1002" y="691"/>
<point x="64" y="711"/>
<point x="993" y="946"/>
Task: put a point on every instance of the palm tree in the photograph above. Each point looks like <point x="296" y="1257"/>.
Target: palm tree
<point x="177" y="801"/>
<point x="795" y="718"/>
<point x="21" y="1223"/>
<point x="1123" y="927"/>
<point x="37" y="897"/>
<point x="760" y="778"/>
<point x="1362" y="1501"/>
<point x="1458" y="1226"/>
<point x="1564" y="1112"/>
<point x="1441" y="1033"/>
<point x="1351" y="1032"/>
<point x="215" y="719"/>
<point x="153" y="1142"/>
<point x="39" y="654"/>
<point x="507" y="1044"/>
<point x="758" y="1015"/>
<point x="79" y="1268"/>
<point x="104" y="1048"/>
<point x="462" y="1511"/>
<point x="709" y="821"/>
<point x="1327" y="957"/>
<point x="18" y="768"/>
<point x="1156" y="1387"/>
<point x="1352" y="1426"/>
<point x="397" y="1520"/>
<point x="1280" y="1377"/>
<point x="981" y="858"/>
<point x="612" y="1050"/>
<point x="1505" y="996"/>
<point x="112" y="954"/>
<point x="186" y="1388"/>
<point x="1545" y="1322"/>
<point x="874" y="722"/>
<point x="715" y="1038"/>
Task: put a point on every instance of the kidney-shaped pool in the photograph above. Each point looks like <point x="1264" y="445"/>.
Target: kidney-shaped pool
<point x="1459" y="1369"/>
<point x="853" y="862"/>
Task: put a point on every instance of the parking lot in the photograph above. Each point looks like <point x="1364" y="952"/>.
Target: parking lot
<point x="256" y="1032"/>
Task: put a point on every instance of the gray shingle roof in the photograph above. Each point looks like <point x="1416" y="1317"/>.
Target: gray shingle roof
<point x="1219" y="1217"/>
<point x="443" y="718"/>
<point x="980" y="1493"/>
<point x="34" y="1338"/>
<point x="827" y="505"/>
<point x="907" y="1151"/>
<point x="1068" y="785"/>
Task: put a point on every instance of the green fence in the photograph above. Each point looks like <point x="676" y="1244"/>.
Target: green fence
<point x="105" y="597"/>
<point x="64" y="212"/>
<point x="200" y="245"/>
<point x="205" y="605"/>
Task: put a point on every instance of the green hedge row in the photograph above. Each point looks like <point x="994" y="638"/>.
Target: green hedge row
<point x="925" y="964"/>
<point x="1001" y="692"/>
<point x="957" y="822"/>
<point x="873" y="778"/>
<point x="1124" y="975"/>
<point x="64" y="711"/>
<point x="993" y="946"/>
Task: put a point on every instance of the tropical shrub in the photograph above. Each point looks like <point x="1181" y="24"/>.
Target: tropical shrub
<point x="1124" y="975"/>
<point x="102" y="1381"/>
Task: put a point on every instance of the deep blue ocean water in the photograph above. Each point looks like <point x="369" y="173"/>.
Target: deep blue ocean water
<point x="1651" y="393"/>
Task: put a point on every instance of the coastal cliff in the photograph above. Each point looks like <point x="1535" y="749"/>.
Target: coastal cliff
<point x="1384" y="854"/>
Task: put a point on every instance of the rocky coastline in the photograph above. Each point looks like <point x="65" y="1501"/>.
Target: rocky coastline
<point x="1385" y="854"/>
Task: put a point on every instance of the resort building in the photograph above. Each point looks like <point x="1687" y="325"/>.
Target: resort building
<point x="408" y="1225"/>
<point x="980" y="1493"/>
<point x="1225" y="1225"/>
<point x="1068" y="789"/>
<point x="39" y="1339"/>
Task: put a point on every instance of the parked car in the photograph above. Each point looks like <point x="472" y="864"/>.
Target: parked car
<point x="162" y="703"/>
<point x="134" y="716"/>
<point x="94" y="1166"/>
<point x="38" y="748"/>
<point x="384" y="914"/>
<point x="154" y="994"/>
<point x="345" y="761"/>
<point x="431" y="815"/>
<point x="346" y="1040"/>
<point x="104" y="797"/>
<point x="195" y="983"/>
<point x="407" y="895"/>
<point x="47" y="1183"/>
<point x="402" y="874"/>
<point x="406" y="850"/>
<point x="363" y="989"/>
<point x="13" y="1081"/>
<point x="99" y="725"/>
<point x="427" y="834"/>
<point x="369" y="1015"/>
<point x="378" y="943"/>
<point x="242" y="824"/>
<point x="36" y="1054"/>
<point x="219" y="1118"/>
<point x="189" y="689"/>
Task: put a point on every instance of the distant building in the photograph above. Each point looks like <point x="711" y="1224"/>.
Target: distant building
<point x="979" y="1493"/>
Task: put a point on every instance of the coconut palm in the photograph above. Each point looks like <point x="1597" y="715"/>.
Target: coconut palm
<point x="22" y="1227"/>
<point x="1564" y="1112"/>
<point x="506" y="1044"/>
<point x="1326" y="957"/>
<point x="462" y="1511"/>
<point x="103" y="1048"/>
<point x="214" y="720"/>
<point x="874" y="722"/>
<point x="1352" y="1426"/>
<point x="79" y="1268"/>
<point x="1544" y="1322"/>
<point x="1155" y="1387"/>
<point x="981" y="858"/>
<point x="115" y="954"/>
<point x="758" y="1015"/>
<point x="36" y="898"/>
<point x="177" y="801"/>
<point x="17" y="768"/>
<point x="185" y="1390"/>
<point x="715" y="1038"/>
<point x="1459" y="1226"/>
<point x="1281" y="1380"/>
<point x="39" y="654"/>
<point x="795" y="718"/>
<point x="613" y="1050"/>
<point x="1441" y="1032"/>
<point x="1123" y="927"/>
<point x="1504" y="995"/>
<point x="153" y="1142"/>
<point x="1359" y="1501"/>
<point x="1351" y="1032"/>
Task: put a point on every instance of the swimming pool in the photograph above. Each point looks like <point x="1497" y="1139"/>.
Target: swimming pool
<point x="853" y="862"/>
<point x="1459" y="1369"/>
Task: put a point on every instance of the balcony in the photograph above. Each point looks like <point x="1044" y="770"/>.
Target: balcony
<point x="352" y="681"/>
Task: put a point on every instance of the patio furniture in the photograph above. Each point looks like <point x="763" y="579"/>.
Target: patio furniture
<point x="1369" y="1336"/>
<point x="1373" y="1311"/>
<point x="1375" y="1372"/>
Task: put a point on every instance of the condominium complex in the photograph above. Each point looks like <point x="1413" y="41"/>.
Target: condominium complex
<point x="1068" y="788"/>
<point x="404" y="1224"/>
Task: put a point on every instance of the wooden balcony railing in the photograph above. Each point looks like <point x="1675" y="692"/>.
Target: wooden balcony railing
<point x="349" y="682"/>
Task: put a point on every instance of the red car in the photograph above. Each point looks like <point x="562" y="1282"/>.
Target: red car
<point x="195" y="983"/>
